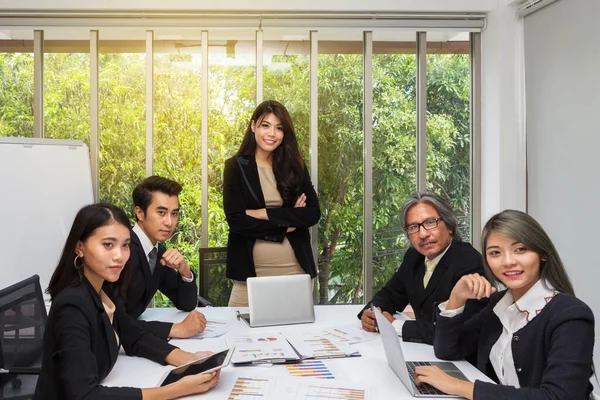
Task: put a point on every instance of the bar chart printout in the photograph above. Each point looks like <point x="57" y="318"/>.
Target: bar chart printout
<point x="327" y="392"/>
<point x="250" y="388"/>
<point x="310" y="368"/>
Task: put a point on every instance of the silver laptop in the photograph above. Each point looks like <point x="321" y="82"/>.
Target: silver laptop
<point x="405" y="369"/>
<point x="279" y="300"/>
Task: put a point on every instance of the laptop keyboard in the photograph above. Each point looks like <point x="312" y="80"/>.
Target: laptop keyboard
<point x="423" y="388"/>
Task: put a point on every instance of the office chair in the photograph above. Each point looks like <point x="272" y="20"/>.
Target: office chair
<point x="213" y="287"/>
<point x="22" y="321"/>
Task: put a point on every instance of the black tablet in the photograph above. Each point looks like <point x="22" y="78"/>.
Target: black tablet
<point x="201" y="366"/>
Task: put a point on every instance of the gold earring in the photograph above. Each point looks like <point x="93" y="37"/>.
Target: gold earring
<point x="78" y="267"/>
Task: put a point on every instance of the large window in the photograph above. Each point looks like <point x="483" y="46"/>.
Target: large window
<point x="340" y="167"/>
<point x="16" y="83"/>
<point x="67" y="85"/>
<point x="394" y="146"/>
<point x="448" y="118"/>
<point x="122" y="71"/>
<point x="336" y="145"/>
<point x="232" y="99"/>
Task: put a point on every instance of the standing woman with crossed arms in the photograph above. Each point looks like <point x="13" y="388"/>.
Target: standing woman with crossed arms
<point x="269" y="203"/>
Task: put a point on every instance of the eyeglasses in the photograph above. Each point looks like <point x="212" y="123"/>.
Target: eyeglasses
<point x="428" y="225"/>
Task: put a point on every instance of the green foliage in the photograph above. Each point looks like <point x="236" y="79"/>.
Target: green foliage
<point x="232" y="95"/>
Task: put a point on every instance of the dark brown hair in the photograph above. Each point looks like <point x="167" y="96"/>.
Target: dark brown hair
<point x="288" y="164"/>
<point x="142" y="193"/>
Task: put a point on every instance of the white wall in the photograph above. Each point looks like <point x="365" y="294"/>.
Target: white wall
<point x="563" y="98"/>
<point x="312" y="5"/>
<point x="503" y="171"/>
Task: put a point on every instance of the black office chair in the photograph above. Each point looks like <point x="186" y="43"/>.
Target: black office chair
<point x="213" y="287"/>
<point x="22" y="321"/>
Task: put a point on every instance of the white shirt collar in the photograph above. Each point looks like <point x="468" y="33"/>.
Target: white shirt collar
<point x="437" y="259"/>
<point x="530" y="304"/>
<point x="146" y="243"/>
<point x="534" y="300"/>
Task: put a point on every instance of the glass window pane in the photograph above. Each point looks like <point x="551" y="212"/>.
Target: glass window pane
<point x="16" y="83"/>
<point x="340" y="167"/>
<point x="67" y="84"/>
<point x="122" y="114"/>
<point x="394" y="146"/>
<point x="177" y="131"/>
<point x="448" y="122"/>
<point x="232" y="99"/>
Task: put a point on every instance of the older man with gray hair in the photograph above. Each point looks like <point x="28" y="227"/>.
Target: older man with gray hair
<point x="431" y="267"/>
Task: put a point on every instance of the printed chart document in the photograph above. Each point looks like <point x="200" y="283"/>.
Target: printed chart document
<point x="261" y="348"/>
<point x="277" y="388"/>
<point x="316" y="345"/>
<point x="214" y="328"/>
<point x="348" y="334"/>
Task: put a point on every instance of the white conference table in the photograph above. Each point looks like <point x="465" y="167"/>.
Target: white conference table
<point x="370" y="370"/>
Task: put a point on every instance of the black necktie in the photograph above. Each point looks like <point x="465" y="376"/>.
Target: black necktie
<point x="152" y="260"/>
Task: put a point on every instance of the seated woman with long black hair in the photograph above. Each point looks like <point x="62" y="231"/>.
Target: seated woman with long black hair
<point x="535" y="339"/>
<point x="85" y="327"/>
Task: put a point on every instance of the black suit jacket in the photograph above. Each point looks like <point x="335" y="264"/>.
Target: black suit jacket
<point x="80" y="347"/>
<point x="241" y="192"/>
<point x="552" y="353"/>
<point x="406" y="286"/>
<point x="142" y="286"/>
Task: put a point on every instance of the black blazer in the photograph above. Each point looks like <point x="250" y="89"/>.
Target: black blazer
<point x="552" y="353"/>
<point x="142" y="286"/>
<point x="241" y="192"/>
<point x="406" y="286"/>
<point x="80" y="347"/>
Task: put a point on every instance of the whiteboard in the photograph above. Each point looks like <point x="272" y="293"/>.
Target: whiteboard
<point x="43" y="183"/>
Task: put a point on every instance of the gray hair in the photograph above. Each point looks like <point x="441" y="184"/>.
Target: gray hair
<point x="523" y="228"/>
<point x="441" y="205"/>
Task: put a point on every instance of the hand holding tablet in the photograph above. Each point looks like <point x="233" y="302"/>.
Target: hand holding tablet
<point x="202" y="365"/>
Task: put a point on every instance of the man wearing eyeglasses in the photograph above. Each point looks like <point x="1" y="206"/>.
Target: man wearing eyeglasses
<point x="437" y="259"/>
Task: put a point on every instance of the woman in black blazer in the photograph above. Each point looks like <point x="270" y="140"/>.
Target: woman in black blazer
<point x="535" y="339"/>
<point x="269" y="203"/>
<point x="85" y="327"/>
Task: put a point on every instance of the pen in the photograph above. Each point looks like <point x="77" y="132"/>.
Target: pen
<point x="375" y="320"/>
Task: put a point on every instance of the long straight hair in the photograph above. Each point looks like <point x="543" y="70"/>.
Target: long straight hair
<point x="525" y="229"/>
<point x="87" y="220"/>
<point x="288" y="164"/>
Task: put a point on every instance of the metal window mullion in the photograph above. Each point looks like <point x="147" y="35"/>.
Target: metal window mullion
<point x="314" y="138"/>
<point x="368" y="163"/>
<point x="204" y="160"/>
<point x="94" y="108"/>
<point x="421" y="110"/>
<point x="259" y="66"/>
<point x="38" y="84"/>
<point x="149" y="102"/>
<point x="475" y="172"/>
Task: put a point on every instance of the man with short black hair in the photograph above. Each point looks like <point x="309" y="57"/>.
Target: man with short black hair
<point x="437" y="259"/>
<point x="152" y="266"/>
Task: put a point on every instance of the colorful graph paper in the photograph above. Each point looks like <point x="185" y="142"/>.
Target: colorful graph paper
<point x="310" y="368"/>
<point x="250" y="388"/>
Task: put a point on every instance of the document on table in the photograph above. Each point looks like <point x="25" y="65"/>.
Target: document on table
<point x="214" y="328"/>
<point x="256" y="348"/>
<point x="315" y="345"/>
<point x="346" y="334"/>
<point x="275" y="388"/>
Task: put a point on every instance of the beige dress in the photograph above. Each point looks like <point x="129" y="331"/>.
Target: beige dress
<point x="270" y="258"/>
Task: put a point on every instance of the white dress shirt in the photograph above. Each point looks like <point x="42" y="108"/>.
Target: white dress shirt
<point x="398" y="324"/>
<point x="148" y="246"/>
<point x="513" y="316"/>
